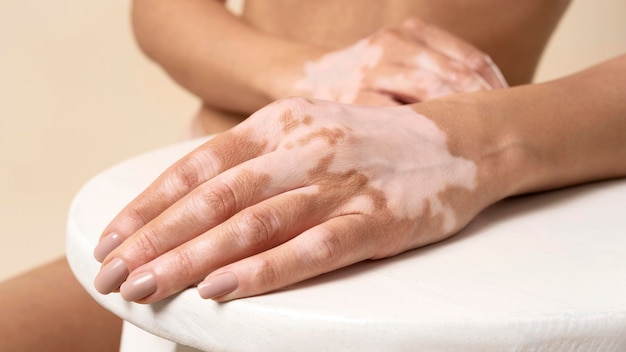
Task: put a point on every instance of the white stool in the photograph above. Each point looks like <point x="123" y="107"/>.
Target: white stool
<point x="538" y="273"/>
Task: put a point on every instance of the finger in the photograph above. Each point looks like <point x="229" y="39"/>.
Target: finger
<point x="218" y="154"/>
<point x="252" y="231"/>
<point x="417" y="72"/>
<point x="202" y="209"/>
<point x="454" y="74"/>
<point x="334" y="244"/>
<point x="457" y="49"/>
<point x="412" y="86"/>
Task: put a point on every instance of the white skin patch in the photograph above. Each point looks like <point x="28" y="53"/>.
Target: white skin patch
<point x="430" y="168"/>
<point x="338" y="76"/>
<point x="310" y="186"/>
<point x="410" y="164"/>
<point x="384" y="70"/>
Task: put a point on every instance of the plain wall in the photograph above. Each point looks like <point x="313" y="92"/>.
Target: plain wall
<point x="76" y="96"/>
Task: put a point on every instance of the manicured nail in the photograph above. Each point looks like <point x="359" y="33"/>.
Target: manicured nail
<point x="139" y="286"/>
<point x="106" y="246"/>
<point x="218" y="285"/>
<point x="111" y="276"/>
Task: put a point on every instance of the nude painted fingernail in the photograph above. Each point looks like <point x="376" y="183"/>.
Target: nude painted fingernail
<point x="111" y="276"/>
<point x="139" y="286"/>
<point x="218" y="285"/>
<point x="106" y="245"/>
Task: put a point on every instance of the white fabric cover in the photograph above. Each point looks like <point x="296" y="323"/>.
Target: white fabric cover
<point x="539" y="273"/>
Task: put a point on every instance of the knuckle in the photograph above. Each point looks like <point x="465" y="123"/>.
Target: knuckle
<point x="138" y="215"/>
<point x="477" y="60"/>
<point x="185" y="266"/>
<point x="257" y="227"/>
<point x="387" y="35"/>
<point x="461" y="75"/>
<point x="265" y="273"/>
<point x="327" y="249"/>
<point x="296" y="103"/>
<point x="147" y="245"/>
<point x="187" y="175"/>
<point x="415" y="24"/>
<point x="384" y="242"/>
<point x="387" y="249"/>
<point x="295" y="106"/>
<point x="219" y="197"/>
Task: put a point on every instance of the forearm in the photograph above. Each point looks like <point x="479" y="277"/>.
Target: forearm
<point x="574" y="129"/>
<point x="551" y="135"/>
<point x="192" y="41"/>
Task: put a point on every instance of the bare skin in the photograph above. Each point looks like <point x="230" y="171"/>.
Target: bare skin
<point x="47" y="310"/>
<point x="265" y="63"/>
<point x="236" y="78"/>
<point x="370" y="183"/>
<point x="407" y="63"/>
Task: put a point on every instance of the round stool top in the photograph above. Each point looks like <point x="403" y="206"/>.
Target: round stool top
<point x="545" y="272"/>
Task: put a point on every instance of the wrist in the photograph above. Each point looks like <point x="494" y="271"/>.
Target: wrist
<point x="478" y="132"/>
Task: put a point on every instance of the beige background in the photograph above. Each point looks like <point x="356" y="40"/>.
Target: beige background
<point x="76" y="96"/>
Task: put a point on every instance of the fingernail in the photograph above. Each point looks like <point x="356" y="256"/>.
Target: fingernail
<point x="106" y="246"/>
<point x="111" y="276"/>
<point x="138" y="286"/>
<point x="218" y="285"/>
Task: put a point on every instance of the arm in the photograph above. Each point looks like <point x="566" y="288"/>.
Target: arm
<point x="591" y="143"/>
<point x="305" y="187"/>
<point x="212" y="53"/>
<point x="565" y="132"/>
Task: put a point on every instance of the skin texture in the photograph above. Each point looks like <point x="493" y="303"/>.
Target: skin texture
<point x="233" y="79"/>
<point x="47" y="310"/>
<point x="514" y="149"/>
<point x="408" y="63"/>
<point x="513" y="35"/>
<point x="362" y="190"/>
<point x="279" y="224"/>
<point x="369" y="182"/>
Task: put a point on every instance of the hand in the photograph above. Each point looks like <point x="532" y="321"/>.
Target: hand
<point x="409" y="63"/>
<point x="299" y="189"/>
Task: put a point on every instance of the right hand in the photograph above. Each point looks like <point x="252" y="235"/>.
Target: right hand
<point x="301" y="188"/>
<point x="409" y="63"/>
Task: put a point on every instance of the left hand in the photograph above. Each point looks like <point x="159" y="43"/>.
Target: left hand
<point x="301" y="188"/>
<point x="407" y="63"/>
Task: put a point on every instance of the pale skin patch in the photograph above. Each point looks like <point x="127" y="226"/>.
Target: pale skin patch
<point x="351" y="184"/>
<point x="393" y="161"/>
<point x="347" y="185"/>
<point x="398" y="65"/>
<point x="343" y="70"/>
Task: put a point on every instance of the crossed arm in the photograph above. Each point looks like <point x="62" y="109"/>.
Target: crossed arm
<point x="304" y="186"/>
<point x="239" y="69"/>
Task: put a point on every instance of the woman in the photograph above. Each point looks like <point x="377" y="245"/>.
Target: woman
<point x="421" y="171"/>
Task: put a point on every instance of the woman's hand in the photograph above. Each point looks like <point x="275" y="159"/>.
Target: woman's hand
<point x="301" y="188"/>
<point x="409" y="63"/>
